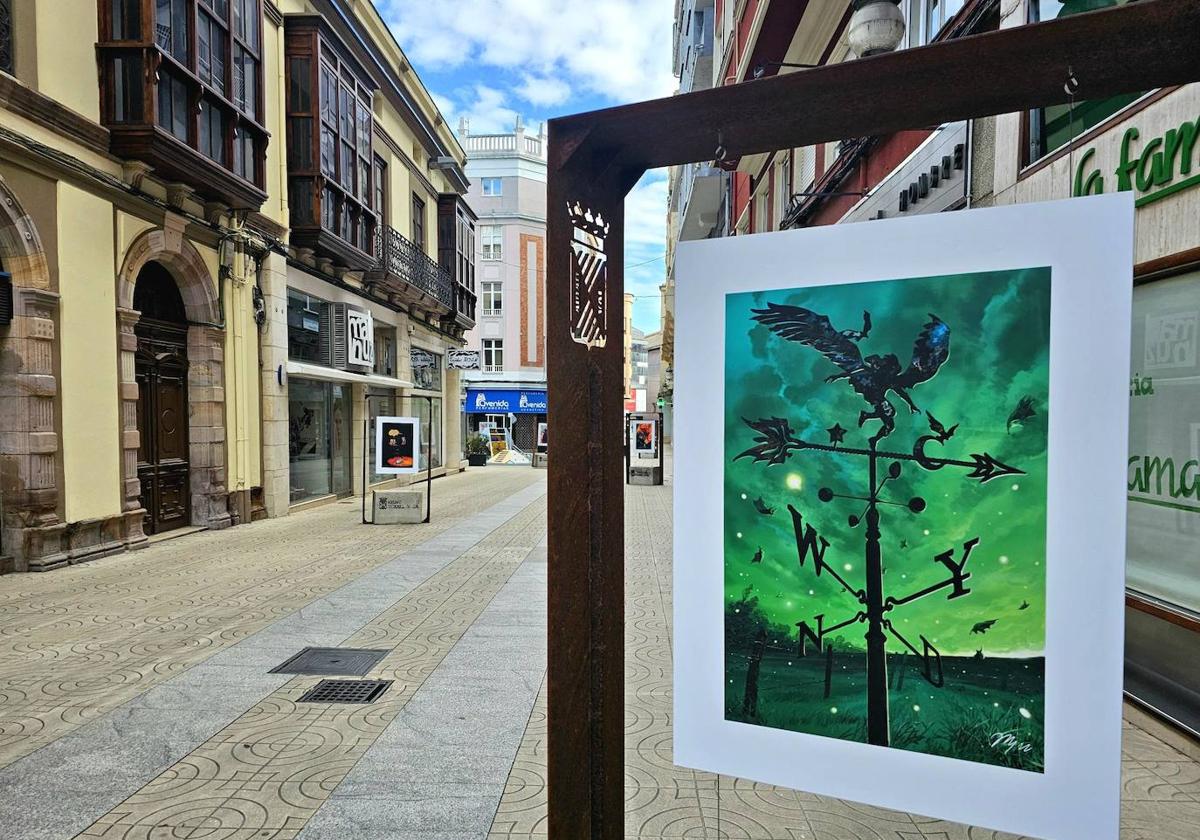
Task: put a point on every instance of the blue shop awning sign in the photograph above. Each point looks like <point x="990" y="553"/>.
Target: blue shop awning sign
<point x="488" y="401"/>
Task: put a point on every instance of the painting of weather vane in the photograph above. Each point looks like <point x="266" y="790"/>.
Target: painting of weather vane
<point x="885" y="513"/>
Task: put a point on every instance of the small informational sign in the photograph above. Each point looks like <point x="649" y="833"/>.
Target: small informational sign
<point x="900" y="562"/>
<point x="542" y="439"/>
<point x="421" y="358"/>
<point x="497" y="440"/>
<point x="396" y="444"/>
<point x="462" y="359"/>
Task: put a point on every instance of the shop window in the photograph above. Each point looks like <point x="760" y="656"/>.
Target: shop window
<point x="492" y="238"/>
<point x="493" y="355"/>
<point x="493" y="297"/>
<point x="1055" y="126"/>
<point x="385" y="351"/>
<point x="1163" y="480"/>
<point x="319" y="439"/>
<point x="426" y="370"/>
<point x="305" y="319"/>
<point x="430" y="413"/>
<point x="204" y="92"/>
<point x="379" y="404"/>
<point x="330" y="128"/>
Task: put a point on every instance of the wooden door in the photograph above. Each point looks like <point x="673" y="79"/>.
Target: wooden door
<point x="163" y="425"/>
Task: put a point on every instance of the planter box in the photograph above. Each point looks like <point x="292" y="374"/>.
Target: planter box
<point x="477" y="460"/>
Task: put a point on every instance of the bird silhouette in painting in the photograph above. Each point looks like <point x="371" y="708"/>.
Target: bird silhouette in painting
<point x="940" y="432"/>
<point x="872" y="376"/>
<point x="982" y="627"/>
<point x="1024" y="605"/>
<point x="904" y="543"/>
<point x="978" y="654"/>
<point x="1021" y="413"/>
<point x="757" y="558"/>
<point x="761" y="507"/>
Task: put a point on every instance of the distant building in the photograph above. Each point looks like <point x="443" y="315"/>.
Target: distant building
<point x="508" y="192"/>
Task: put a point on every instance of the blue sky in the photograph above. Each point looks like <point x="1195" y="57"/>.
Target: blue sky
<point x="492" y="60"/>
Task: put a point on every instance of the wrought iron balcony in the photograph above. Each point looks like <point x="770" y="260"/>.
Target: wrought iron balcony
<point x="401" y="258"/>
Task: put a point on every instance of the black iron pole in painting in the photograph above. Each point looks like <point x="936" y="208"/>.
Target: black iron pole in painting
<point x="596" y="158"/>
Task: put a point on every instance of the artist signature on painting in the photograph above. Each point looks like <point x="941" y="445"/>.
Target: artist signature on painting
<point x="1008" y="743"/>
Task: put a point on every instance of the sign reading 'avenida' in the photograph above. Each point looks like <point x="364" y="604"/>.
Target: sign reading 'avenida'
<point x="1152" y="166"/>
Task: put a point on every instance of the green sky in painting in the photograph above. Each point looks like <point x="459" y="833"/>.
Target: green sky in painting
<point x="999" y="323"/>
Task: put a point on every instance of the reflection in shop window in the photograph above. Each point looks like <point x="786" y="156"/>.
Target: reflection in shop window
<point x="430" y="412"/>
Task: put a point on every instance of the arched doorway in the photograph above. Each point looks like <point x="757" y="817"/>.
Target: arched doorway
<point x="161" y="372"/>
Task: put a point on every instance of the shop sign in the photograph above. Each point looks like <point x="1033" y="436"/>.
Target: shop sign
<point x="421" y="358"/>
<point x="396" y="444"/>
<point x="502" y="401"/>
<point x="360" y="338"/>
<point x="462" y="359"/>
<point x="1153" y="168"/>
<point x="1163" y="480"/>
<point x="884" y="562"/>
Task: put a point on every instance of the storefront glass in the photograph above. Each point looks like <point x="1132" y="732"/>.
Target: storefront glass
<point x="304" y="318"/>
<point x="379" y="404"/>
<point x="431" y="428"/>
<point x="308" y="440"/>
<point x="319" y="439"/>
<point x="1164" y="442"/>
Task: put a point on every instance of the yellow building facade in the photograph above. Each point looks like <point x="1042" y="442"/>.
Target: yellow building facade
<point x="163" y="203"/>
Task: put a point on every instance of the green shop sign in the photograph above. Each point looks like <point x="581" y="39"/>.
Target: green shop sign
<point x="1155" y="169"/>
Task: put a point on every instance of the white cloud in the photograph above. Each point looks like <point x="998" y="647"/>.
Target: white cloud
<point x="619" y="49"/>
<point x="543" y="90"/>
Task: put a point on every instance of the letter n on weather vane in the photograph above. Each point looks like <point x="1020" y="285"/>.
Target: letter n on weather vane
<point x="589" y="276"/>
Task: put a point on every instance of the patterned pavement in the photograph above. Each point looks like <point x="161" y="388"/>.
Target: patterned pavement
<point x="136" y="700"/>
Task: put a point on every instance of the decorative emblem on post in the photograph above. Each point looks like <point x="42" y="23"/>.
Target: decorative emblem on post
<point x="589" y="276"/>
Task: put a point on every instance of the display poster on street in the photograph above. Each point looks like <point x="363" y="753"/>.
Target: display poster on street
<point x="543" y="440"/>
<point x="900" y="510"/>
<point x="1164" y="442"/>
<point x="395" y="444"/>
<point x="643" y="438"/>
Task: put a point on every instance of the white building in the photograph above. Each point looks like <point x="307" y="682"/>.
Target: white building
<point x="508" y="192"/>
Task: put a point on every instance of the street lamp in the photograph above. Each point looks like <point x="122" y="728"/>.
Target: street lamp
<point x="877" y="26"/>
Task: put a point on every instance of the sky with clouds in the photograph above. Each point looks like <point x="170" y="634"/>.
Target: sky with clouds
<point x="492" y="60"/>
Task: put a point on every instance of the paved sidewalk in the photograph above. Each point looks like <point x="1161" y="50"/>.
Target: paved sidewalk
<point x="136" y="700"/>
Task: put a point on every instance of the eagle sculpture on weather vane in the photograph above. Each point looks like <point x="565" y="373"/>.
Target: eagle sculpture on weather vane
<point x="873" y="377"/>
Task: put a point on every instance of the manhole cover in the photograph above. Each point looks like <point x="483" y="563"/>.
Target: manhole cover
<point x="321" y="661"/>
<point x="345" y="691"/>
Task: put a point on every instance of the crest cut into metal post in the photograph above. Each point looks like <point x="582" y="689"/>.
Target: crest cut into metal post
<point x="589" y="276"/>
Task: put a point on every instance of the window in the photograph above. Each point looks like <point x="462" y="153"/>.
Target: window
<point x="493" y="355"/>
<point x="205" y="92"/>
<point x="937" y="14"/>
<point x="783" y="188"/>
<point x="385" y="351"/>
<point x="319" y="439"/>
<point x="491" y="237"/>
<point x="1163" y="480"/>
<point x="305" y="316"/>
<point x="428" y="375"/>
<point x="493" y="297"/>
<point x="418" y="221"/>
<point x="330" y="129"/>
<point x="380" y="403"/>
<point x="1057" y="125"/>
<point x="492" y="186"/>
<point x="762" y="218"/>
<point x="430" y="414"/>
<point x="381" y="197"/>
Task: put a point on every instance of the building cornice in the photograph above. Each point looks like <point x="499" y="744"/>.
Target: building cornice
<point x="41" y="109"/>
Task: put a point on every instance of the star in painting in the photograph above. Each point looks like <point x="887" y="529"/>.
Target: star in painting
<point x="836" y="434"/>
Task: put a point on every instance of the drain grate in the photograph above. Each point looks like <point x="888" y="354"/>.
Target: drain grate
<point x="330" y="661"/>
<point x="345" y="691"/>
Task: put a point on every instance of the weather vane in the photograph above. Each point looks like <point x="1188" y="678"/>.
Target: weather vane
<point x="873" y="377"/>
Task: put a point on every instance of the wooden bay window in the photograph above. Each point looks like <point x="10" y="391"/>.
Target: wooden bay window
<point x="331" y="163"/>
<point x="181" y="88"/>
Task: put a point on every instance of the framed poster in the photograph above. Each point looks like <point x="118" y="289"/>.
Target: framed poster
<point x="643" y="438"/>
<point x="900" y="523"/>
<point x="543" y="440"/>
<point x="396" y="444"/>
